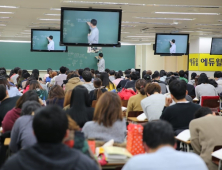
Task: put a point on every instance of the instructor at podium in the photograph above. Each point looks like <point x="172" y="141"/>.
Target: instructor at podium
<point x="101" y="63"/>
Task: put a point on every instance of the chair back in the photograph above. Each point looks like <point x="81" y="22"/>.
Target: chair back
<point x="134" y="113"/>
<point x="94" y="103"/>
<point x="124" y="103"/>
<point x="213" y="102"/>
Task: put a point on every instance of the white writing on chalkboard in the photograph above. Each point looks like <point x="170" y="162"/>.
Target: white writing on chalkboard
<point x="76" y="59"/>
<point x="83" y="20"/>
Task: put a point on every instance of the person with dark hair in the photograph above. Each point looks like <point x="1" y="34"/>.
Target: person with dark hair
<point x="73" y="81"/>
<point x="159" y="143"/>
<point x="19" y="78"/>
<point x="156" y="79"/>
<point x="106" y="82"/>
<point x="121" y="74"/>
<point x="100" y="63"/>
<point x="13" y="114"/>
<point x="93" y="36"/>
<point x="51" y="44"/>
<point x="99" y="90"/>
<point x="205" y="133"/>
<point x="162" y="75"/>
<point x="180" y="114"/>
<point x="132" y="81"/>
<point x="122" y="83"/>
<point x="22" y="133"/>
<point x="7" y="103"/>
<point x="107" y="70"/>
<point x="87" y="77"/>
<point x="215" y="84"/>
<point x="35" y="71"/>
<point x="218" y="77"/>
<point x="173" y="47"/>
<point x="192" y="80"/>
<point x="204" y="88"/>
<point x="117" y="79"/>
<point x="112" y="75"/>
<point x="80" y="110"/>
<point x="50" y="125"/>
<point x="47" y="75"/>
<point x="153" y="104"/>
<point x="25" y="75"/>
<point x="35" y="86"/>
<point x="182" y="74"/>
<point x="62" y="76"/>
<point x="134" y="101"/>
<point x="56" y="96"/>
<point x="108" y="122"/>
<point x="15" y="75"/>
<point x="143" y="73"/>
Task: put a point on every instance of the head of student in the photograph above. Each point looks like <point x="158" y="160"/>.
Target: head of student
<point x="181" y="73"/>
<point x="4" y="81"/>
<point x="56" y="91"/>
<point x="50" y="125"/>
<point x="105" y="79"/>
<point x="28" y="96"/>
<point x="16" y="69"/>
<point x="29" y="107"/>
<point x="203" y="79"/>
<point x="203" y="111"/>
<point x="3" y="92"/>
<point x="112" y="73"/>
<point x="93" y="23"/>
<point x="133" y="76"/>
<point x="35" y="71"/>
<point x="217" y="75"/>
<point x="108" y="109"/>
<point x="156" y="76"/>
<point x="152" y="88"/>
<point x="140" y="86"/>
<point x="157" y="134"/>
<point x="62" y="70"/>
<point x="193" y="76"/>
<point x="51" y="37"/>
<point x="87" y="76"/>
<point x="100" y="55"/>
<point x="34" y="84"/>
<point x="178" y="89"/>
<point x="162" y="73"/>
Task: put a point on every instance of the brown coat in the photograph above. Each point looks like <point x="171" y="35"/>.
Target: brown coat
<point x="205" y="135"/>
<point x="72" y="83"/>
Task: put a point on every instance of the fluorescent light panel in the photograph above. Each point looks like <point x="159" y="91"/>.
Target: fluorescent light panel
<point x="5" y="17"/>
<point x="53" y="14"/>
<point x="55" y="9"/>
<point x="187" y="13"/>
<point x="2" y="25"/>
<point x="183" y="19"/>
<point x="42" y="19"/>
<point x="8" y="6"/>
<point x="15" y="41"/>
<point x="6" y="12"/>
<point x="140" y="36"/>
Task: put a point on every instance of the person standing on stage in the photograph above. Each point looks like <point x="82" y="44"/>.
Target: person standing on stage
<point x="101" y="62"/>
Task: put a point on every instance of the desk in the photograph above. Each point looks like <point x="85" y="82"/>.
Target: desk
<point x="113" y="166"/>
<point x="135" y="120"/>
<point x="187" y="143"/>
<point x="7" y="141"/>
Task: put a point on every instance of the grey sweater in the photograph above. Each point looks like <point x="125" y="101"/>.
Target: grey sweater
<point x="22" y="134"/>
<point x="205" y="90"/>
<point x="89" y="86"/>
<point x="93" y="130"/>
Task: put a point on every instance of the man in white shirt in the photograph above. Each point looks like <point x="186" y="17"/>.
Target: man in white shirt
<point x="173" y="46"/>
<point x="51" y="43"/>
<point x="101" y="63"/>
<point x="159" y="143"/>
<point x="218" y="77"/>
<point x="93" y="36"/>
<point x="62" y="76"/>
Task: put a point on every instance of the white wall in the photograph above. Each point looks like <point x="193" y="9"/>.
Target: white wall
<point x="194" y="46"/>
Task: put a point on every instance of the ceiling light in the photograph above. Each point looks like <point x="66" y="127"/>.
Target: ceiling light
<point x="156" y="23"/>
<point x="25" y="33"/>
<point x="186" y="6"/>
<point x="9" y="7"/>
<point x="5" y="17"/>
<point x="15" y="41"/>
<point x="184" y="19"/>
<point x="53" y="14"/>
<point x="140" y="36"/>
<point x="210" y="24"/>
<point x="6" y="12"/>
<point x="125" y="32"/>
<point x="187" y="13"/>
<point x="128" y="25"/>
<point x="55" y="9"/>
<point x="2" y="25"/>
<point x="49" y="19"/>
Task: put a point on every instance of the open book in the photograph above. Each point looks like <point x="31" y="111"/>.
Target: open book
<point x="141" y="117"/>
<point x="184" y="135"/>
<point x="116" y="153"/>
<point x="217" y="154"/>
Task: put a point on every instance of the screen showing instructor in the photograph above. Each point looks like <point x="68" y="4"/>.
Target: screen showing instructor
<point x="101" y="63"/>
<point x="93" y="36"/>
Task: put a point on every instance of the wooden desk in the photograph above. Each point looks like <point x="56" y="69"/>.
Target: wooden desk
<point x="187" y="143"/>
<point x="7" y="141"/>
<point x="135" y="120"/>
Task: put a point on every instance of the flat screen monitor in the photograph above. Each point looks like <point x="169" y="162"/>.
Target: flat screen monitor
<point x="216" y="46"/>
<point x="91" y="27"/>
<point x="43" y="40"/>
<point x="172" y="44"/>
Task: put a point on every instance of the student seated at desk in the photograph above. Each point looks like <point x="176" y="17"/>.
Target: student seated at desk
<point x="159" y="143"/>
<point x="108" y="122"/>
<point x="106" y="82"/>
<point x="22" y="135"/>
<point x="50" y="125"/>
<point x="118" y="78"/>
<point x="132" y="81"/>
<point x="205" y="131"/>
<point x="56" y="96"/>
<point x="87" y="77"/>
<point x="123" y="82"/>
<point x="73" y="81"/>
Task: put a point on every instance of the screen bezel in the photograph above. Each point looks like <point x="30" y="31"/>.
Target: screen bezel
<point x="171" y="54"/>
<point x="32" y="30"/>
<point x="87" y="44"/>
<point x="212" y="44"/>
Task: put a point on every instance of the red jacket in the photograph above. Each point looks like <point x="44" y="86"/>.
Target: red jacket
<point x="26" y="89"/>
<point x="10" y="118"/>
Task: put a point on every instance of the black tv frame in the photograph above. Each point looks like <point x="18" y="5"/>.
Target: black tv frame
<point x="171" y="54"/>
<point x="87" y="44"/>
<point x="212" y="43"/>
<point x="46" y="50"/>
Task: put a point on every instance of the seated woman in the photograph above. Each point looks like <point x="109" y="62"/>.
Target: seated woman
<point x="66" y="104"/>
<point x="153" y="105"/>
<point x="73" y="81"/>
<point x="34" y="85"/>
<point x="12" y="115"/>
<point x="80" y="110"/>
<point x="99" y="90"/>
<point x="118" y="78"/>
<point x="108" y="122"/>
<point x="134" y="101"/>
<point x="217" y="86"/>
<point x="56" y="96"/>
<point x="106" y="82"/>
<point x="22" y="135"/>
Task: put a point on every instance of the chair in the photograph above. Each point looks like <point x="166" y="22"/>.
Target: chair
<point x="124" y="103"/>
<point x="94" y="103"/>
<point x="134" y="113"/>
<point x="216" y="160"/>
<point x="213" y="102"/>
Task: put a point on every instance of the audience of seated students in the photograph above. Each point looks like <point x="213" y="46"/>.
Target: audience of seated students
<point x="159" y="143"/>
<point x="215" y="84"/>
<point x="35" y="86"/>
<point x="204" y="88"/>
<point x="50" y="126"/>
<point x="134" y="101"/>
<point x="12" y="90"/>
<point x="180" y="114"/>
<point x="98" y="91"/>
<point x="163" y="75"/>
<point x="73" y="82"/>
<point x="123" y="82"/>
<point x="13" y="114"/>
<point x="49" y="70"/>
<point x="15" y="75"/>
<point x="62" y="76"/>
<point x="112" y="75"/>
<point x="153" y="104"/>
<point x="7" y="103"/>
<point x="118" y="78"/>
<point x="132" y="81"/>
<point x="106" y="82"/>
<point x="156" y="79"/>
<point x="182" y="74"/>
<point x="192" y="80"/>
<point x="22" y="135"/>
<point x="87" y="77"/>
<point x="80" y="110"/>
<point x="108" y="122"/>
<point x="205" y="131"/>
<point x="218" y="77"/>
<point x="56" y="96"/>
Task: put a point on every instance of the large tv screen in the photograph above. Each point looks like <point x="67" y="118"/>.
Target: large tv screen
<point x="90" y="27"/>
<point x="216" y="46"/>
<point x="172" y="44"/>
<point x="46" y="41"/>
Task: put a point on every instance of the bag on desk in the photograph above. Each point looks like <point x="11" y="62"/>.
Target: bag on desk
<point x="135" y="139"/>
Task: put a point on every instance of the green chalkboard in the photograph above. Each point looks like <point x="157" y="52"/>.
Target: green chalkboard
<point x="76" y="29"/>
<point x="19" y="54"/>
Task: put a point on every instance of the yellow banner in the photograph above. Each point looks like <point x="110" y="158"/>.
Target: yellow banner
<point x="194" y="62"/>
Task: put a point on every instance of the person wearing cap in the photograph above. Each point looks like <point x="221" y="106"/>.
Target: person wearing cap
<point x="101" y="62"/>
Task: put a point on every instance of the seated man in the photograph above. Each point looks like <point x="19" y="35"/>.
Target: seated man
<point x="50" y="126"/>
<point x="87" y="77"/>
<point x="156" y="79"/>
<point x="62" y="76"/>
<point x="7" y="103"/>
<point x="180" y="114"/>
<point x="205" y="133"/>
<point x="112" y="75"/>
<point x="159" y="143"/>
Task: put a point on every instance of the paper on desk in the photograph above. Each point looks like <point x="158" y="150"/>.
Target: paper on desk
<point x="124" y="109"/>
<point x="217" y="154"/>
<point x="141" y="117"/>
<point x="184" y="135"/>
